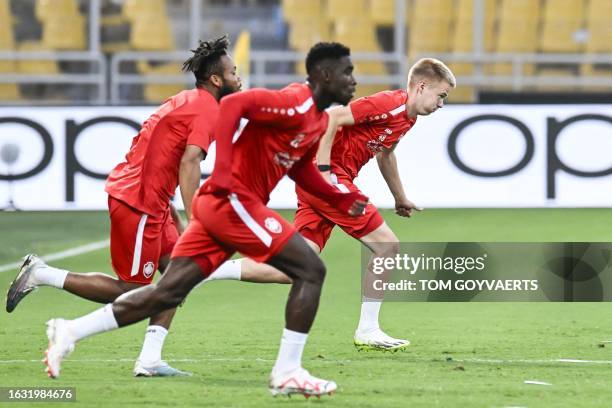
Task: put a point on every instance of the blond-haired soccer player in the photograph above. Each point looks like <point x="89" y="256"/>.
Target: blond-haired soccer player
<point x="367" y="127"/>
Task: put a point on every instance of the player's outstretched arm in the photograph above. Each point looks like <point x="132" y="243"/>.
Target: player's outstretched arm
<point x="260" y="105"/>
<point x="307" y="176"/>
<point x="340" y="116"/>
<point x="189" y="175"/>
<point x="387" y="163"/>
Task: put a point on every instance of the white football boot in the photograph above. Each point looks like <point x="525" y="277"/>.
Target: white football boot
<point x="61" y="344"/>
<point x="378" y="340"/>
<point x="299" y="381"/>
<point x="161" y="369"/>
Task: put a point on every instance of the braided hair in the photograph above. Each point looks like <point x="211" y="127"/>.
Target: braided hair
<point x="205" y="60"/>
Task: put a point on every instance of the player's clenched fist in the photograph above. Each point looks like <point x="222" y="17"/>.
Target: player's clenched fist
<point x="353" y="203"/>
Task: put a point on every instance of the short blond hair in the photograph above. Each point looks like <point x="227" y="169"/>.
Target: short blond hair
<point x="431" y="68"/>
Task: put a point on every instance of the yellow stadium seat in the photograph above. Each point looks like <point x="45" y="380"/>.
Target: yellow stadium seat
<point x="156" y="93"/>
<point x="7" y="38"/>
<point x="5" y="10"/>
<point x="370" y="68"/>
<point x="517" y="36"/>
<point x="464" y="10"/>
<point x="300" y="9"/>
<point x="7" y="66"/>
<point x="562" y="20"/>
<point x="556" y="10"/>
<point x="357" y="33"/>
<point x="52" y="9"/>
<point x="341" y="9"/>
<point x="136" y="9"/>
<point x="462" y="93"/>
<point x="462" y="37"/>
<point x="440" y="10"/>
<point x="36" y="66"/>
<point x="599" y="34"/>
<point x="598" y="10"/>
<point x="9" y="92"/>
<point x="520" y="10"/>
<point x="428" y="36"/>
<point x="369" y="89"/>
<point x="151" y="34"/>
<point x="382" y="12"/>
<point x="560" y="37"/>
<point x="64" y="33"/>
<point x="303" y="34"/>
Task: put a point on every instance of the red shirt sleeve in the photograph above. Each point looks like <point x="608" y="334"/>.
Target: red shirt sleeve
<point x="201" y="131"/>
<point x="372" y="108"/>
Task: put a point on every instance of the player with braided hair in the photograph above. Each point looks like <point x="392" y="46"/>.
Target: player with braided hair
<point x="144" y="225"/>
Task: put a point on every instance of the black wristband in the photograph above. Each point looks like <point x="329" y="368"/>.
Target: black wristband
<point x="324" y="167"/>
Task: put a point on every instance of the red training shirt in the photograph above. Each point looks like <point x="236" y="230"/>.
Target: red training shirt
<point x="148" y="177"/>
<point x="381" y="121"/>
<point x="284" y="127"/>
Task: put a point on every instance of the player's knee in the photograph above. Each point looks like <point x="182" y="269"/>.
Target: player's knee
<point x="168" y="297"/>
<point x="318" y="270"/>
<point x="389" y="248"/>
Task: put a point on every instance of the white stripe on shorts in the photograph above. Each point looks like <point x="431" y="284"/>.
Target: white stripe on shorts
<point x="249" y="221"/>
<point x="138" y="245"/>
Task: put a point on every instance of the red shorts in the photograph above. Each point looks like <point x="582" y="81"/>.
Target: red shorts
<point x="315" y="218"/>
<point x="221" y="226"/>
<point x="138" y="240"/>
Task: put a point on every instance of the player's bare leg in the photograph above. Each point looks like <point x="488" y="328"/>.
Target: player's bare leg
<point x="149" y="362"/>
<point x="368" y="336"/>
<point x="180" y="277"/>
<point x="307" y="272"/>
<point x="247" y="270"/>
<point x="101" y="288"/>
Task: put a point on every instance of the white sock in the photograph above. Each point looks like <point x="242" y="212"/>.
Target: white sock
<point x="150" y="355"/>
<point x="290" y="352"/>
<point x="229" y="270"/>
<point x="50" y="276"/>
<point x="99" y="321"/>
<point x="370" y="308"/>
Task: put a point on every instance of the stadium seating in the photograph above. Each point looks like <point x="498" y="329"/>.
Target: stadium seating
<point x="462" y="42"/>
<point x="429" y="26"/>
<point x="303" y="33"/>
<point x="64" y="33"/>
<point x="340" y="9"/>
<point x="53" y="9"/>
<point x="36" y="66"/>
<point x="431" y="10"/>
<point x="300" y="10"/>
<point x="562" y="21"/>
<point x="599" y="32"/>
<point x="156" y="93"/>
<point x="357" y="33"/>
<point x="8" y="92"/>
<point x="147" y="9"/>
<point x="382" y="12"/>
<point x="151" y="34"/>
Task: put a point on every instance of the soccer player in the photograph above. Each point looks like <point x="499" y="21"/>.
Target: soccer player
<point x="369" y="126"/>
<point x="144" y="225"/>
<point x="229" y="215"/>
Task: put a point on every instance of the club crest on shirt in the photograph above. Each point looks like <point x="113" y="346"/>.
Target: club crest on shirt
<point x="376" y="145"/>
<point x="148" y="269"/>
<point x="295" y="143"/>
<point x="273" y="225"/>
<point x="285" y="159"/>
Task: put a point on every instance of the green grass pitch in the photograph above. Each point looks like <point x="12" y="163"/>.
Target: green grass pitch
<point x="227" y="333"/>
